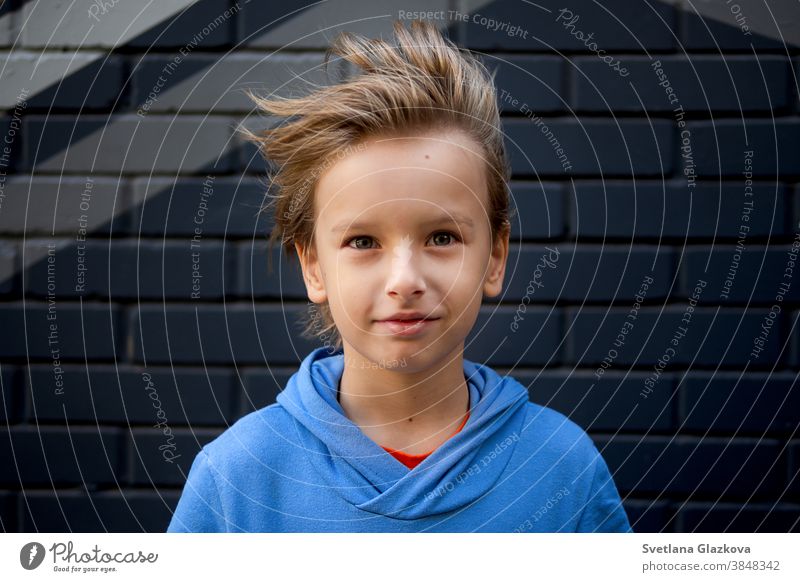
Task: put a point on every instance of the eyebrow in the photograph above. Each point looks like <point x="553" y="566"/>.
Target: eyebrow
<point x="441" y="219"/>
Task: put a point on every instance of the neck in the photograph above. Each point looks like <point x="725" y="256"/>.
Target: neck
<point x="405" y="408"/>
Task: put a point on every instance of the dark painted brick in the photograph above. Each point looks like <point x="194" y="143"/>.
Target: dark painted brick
<point x="700" y="83"/>
<point x="191" y="26"/>
<point x="262" y="386"/>
<point x="129" y="396"/>
<point x="83" y="82"/>
<point x="719" y="148"/>
<point x="793" y="473"/>
<point x="128" y="144"/>
<point x="183" y="270"/>
<point x="159" y="458"/>
<point x="715" y="27"/>
<point x="250" y="160"/>
<point x="62" y="267"/>
<point x="730" y="402"/>
<point x="10" y="393"/>
<point x="131" y="269"/>
<point x="59" y="456"/>
<point x="609" y="404"/>
<point x="168" y="208"/>
<point x="270" y="25"/>
<point x="535" y="274"/>
<point x="105" y="206"/>
<point x="8" y="512"/>
<point x="95" y="326"/>
<point x="256" y="279"/>
<point x="729" y="340"/>
<point x="633" y="148"/>
<point x="793" y="345"/>
<point x="6" y="8"/>
<point x="10" y="129"/>
<point x="201" y="25"/>
<point x="526" y="83"/>
<point x="616" y="25"/>
<point x="719" y="468"/>
<point x="216" y="83"/>
<point x="103" y="511"/>
<point x="586" y="274"/>
<point x="733" y="518"/>
<point x="796" y="71"/>
<point x="670" y="210"/>
<point x="540" y="210"/>
<point x="8" y="268"/>
<point x="757" y="273"/>
<point x="238" y="333"/>
<point x="535" y="340"/>
<point x="648" y="516"/>
<point x="795" y="196"/>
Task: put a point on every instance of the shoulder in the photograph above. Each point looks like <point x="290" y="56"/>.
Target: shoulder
<point x="552" y="434"/>
<point x="567" y="457"/>
<point x="255" y="436"/>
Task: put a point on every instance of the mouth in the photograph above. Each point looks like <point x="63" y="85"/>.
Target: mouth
<point x="406" y="327"/>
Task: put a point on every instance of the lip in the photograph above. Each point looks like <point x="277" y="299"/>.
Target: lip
<point x="406" y="328"/>
<point x="403" y="315"/>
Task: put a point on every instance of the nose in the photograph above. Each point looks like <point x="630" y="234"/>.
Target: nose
<point x="405" y="273"/>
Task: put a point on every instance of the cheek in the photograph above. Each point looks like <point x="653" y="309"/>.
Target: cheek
<point x="350" y="289"/>
<point x="466" y="290"/>
<point x="463" y="275"/>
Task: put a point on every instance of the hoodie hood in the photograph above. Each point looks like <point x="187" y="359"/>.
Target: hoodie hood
<point x="368" y="477"/>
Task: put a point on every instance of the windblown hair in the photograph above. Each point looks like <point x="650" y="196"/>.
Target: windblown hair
<point x="424" y="83"/>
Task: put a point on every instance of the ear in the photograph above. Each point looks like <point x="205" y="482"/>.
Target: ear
<point x="312" y="273"/>
<point x="496" y="270"/>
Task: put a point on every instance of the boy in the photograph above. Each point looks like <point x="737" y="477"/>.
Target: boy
<point x="392" y="192"/>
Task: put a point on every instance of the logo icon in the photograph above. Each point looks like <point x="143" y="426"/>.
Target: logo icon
<point x="31" y="555"/>
<point x="402" y="252"/>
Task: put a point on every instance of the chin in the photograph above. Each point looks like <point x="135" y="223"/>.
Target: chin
<point x="393" y="358"/>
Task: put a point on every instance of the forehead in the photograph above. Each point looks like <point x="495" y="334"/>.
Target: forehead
<point x="405" y="175"/>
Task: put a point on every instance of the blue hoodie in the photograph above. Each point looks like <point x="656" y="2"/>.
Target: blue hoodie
<point x="300" y="465"/>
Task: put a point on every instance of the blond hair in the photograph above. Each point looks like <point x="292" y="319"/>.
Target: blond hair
<point x="425" y="82"/>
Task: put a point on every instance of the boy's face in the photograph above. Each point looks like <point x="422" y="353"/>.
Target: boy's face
<point x="402" y="226"/>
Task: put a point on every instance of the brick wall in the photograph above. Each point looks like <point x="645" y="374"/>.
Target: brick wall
<point x="655" y="329"/>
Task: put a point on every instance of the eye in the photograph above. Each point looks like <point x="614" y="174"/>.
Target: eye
<point x="356" y="239"/>
<point x="436" y="236"/>
<point x="447" y="234"/>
